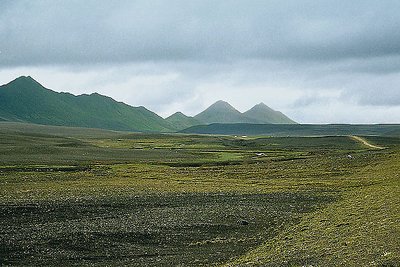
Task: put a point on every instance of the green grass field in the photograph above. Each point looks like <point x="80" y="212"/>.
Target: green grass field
<point x="74" y="196"/>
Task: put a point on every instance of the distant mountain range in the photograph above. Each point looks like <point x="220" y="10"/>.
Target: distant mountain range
<point x="26" y="100"/>
<point x="223" y="112"/>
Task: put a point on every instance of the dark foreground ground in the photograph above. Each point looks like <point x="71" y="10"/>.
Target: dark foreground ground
<point x="184" y="229"/>
<point x="71" y="197"/>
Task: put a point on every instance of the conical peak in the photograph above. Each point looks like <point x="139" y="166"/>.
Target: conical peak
<point x="222" y="104"/>
<point x="261" y="106"/>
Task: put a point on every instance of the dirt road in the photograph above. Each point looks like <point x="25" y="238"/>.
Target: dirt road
<point x="365" y="142"/>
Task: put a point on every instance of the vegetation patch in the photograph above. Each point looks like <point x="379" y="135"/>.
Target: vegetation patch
<point x="158" y="200"/>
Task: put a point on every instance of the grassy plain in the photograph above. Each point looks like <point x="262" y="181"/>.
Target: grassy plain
<point x="71" y="196"/>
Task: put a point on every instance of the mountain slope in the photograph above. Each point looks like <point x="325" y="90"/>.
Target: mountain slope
<point x="180" y="121"/>
<point x="261" y="113"/>
<point x="26" y="100"/>
<point x="221" y="112"/>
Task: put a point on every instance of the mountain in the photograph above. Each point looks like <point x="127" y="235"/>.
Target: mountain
<point x="180" y="121"/>
<point x="261" y="113"/>
<point x="223" y="112"/>
<point x="25" y="100"/>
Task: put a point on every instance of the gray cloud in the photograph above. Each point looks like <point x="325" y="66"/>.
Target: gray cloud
<point x="65" y="32"/>
<point x="299" y="56"/>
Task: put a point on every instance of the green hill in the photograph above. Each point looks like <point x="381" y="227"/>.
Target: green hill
<point x="180" y="121"/>
<point x="25" y="100"/>
<point x="223" y="112"/>
<point x="261" y="113"/>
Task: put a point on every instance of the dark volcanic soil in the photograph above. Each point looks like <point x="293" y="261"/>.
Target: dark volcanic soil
<point x="150" y="230"/>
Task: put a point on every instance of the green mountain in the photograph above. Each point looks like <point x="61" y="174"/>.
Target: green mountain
<point x="180" y="121"/>
<point x="261" y="113"/>
<point x="25" y="100"/>
<point x="223" y="112"/>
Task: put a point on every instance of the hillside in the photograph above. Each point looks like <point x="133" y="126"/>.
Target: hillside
<point x="180" y="121"/>
<point x="220" y="112"/>
<point x="261" y="113"/>
<point x="223" y="112"/>
<point x="25" y="100"/>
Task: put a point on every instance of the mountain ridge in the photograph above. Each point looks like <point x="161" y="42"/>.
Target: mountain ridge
<point x="220" y="112"/>
<point x="26" y="100"/>
<point x="261" y="113"/>
<point x="223" y="112"/>
<point x="181" y="121"/>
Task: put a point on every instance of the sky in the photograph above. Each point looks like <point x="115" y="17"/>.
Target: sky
<point x="318" y="61"/>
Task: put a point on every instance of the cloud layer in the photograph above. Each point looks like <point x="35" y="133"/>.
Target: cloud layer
<point x="310" y="59"/>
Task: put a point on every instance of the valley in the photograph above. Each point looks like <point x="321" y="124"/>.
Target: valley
<point x="96" y="197"/>
<point x="199" y="133"/>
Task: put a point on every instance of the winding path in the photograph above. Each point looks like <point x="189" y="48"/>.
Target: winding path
<point x="365" y="142"/>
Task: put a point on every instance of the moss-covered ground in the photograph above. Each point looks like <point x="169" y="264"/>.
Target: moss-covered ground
<point x="70" y="197"/>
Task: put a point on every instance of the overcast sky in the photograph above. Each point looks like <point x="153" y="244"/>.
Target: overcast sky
<point x="317" y="61"/>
